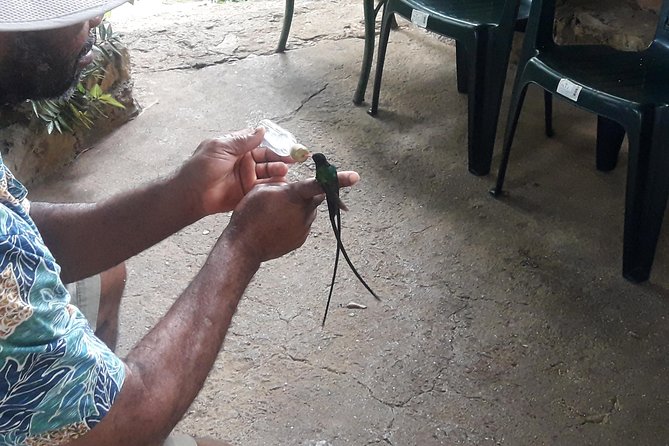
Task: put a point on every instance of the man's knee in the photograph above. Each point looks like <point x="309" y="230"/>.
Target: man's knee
<point x="112" y="285"/>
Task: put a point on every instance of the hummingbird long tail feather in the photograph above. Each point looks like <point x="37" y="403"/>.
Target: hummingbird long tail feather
<point x="326" y="176"/>
<point x="334" y="275"/>
<point x="337" y="231"/>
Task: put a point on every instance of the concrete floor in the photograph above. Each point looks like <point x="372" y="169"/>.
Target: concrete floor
<point x="503" y="322"/>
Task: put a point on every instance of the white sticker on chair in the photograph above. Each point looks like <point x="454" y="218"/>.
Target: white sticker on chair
<point x="419" y="18"/>
<point x="569" y="89"/>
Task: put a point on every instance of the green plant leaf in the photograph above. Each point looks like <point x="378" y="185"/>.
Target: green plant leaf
<point x="110" y="100"/>
<point x="84" y="105"/>
<point x="95" y="91"/>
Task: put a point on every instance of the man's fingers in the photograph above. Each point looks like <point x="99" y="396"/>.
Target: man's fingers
<point x="310" y="188"/>
<point x="271" y="181"/>
<point x="317" y="200"/>
<point x="243" y="141"/>
<point x="312" y="216"/>
<point x="271" y="170"/>
<point x="348" y="178"/>
<point x="264" y="155"/>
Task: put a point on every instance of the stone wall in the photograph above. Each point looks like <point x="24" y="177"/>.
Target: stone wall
<point x="623" y="24"/>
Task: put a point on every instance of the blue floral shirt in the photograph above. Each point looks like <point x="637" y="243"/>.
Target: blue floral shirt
<point x="57" y="380"/>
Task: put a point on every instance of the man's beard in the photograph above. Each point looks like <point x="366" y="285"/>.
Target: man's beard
<point x="39" y="71"/>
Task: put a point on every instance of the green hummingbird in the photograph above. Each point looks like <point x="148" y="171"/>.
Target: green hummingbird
<point x="326" y="176"/>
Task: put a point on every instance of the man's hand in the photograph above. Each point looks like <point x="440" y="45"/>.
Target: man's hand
<point x="274" y="219"/>
<point x="223" y="170"/>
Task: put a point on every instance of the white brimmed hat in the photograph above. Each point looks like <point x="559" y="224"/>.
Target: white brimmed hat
<point x="35" y="15"/>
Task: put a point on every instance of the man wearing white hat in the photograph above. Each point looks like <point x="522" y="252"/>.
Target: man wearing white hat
<point x="59" y="384"/>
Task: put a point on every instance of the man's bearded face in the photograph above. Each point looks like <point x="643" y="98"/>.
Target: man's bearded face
<point x="44" y="64"/>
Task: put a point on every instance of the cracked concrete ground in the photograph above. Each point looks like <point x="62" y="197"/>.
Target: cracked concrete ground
<point x="503" y="322"/>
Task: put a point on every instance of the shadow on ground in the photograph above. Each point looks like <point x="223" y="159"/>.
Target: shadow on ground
<point x="502" y="322"/>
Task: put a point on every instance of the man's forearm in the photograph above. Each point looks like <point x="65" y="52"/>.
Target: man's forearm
<point x="86" y="239"/>
<point x="168" y="367"/>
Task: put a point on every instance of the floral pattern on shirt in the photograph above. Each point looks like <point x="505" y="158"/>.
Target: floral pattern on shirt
<point x="57" y="380"/>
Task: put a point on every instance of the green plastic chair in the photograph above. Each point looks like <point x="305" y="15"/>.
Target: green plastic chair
<point x="630" y="93"/>
<point x="520" y="26"/>
<point x="370" y="13"/>
<point x="483" y="30"/>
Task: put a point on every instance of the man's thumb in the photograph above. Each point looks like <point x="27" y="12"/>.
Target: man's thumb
<point x="247" y="140"/>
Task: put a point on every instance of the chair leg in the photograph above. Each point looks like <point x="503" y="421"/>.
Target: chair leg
<point x="368" y="54"/>
<point x="646" y="197"/>
<point x="548" y="113"/>
<point x="610" y="137"/>
<point x="477" y="90"/>
<point x="517" y="100"/>
<point x="461" y="67"/>
<point x="381" y="58"/>
<point x="287" y="21"/>
<point x="486" y="84"/>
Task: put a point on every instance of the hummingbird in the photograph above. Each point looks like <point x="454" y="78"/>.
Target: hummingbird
<point x="326" y="176"/>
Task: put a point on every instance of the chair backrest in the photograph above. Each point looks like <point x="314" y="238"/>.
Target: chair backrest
<point x="524" y="9"/>
<point x="539" y="32"/>
<point x="662" y="31"/>
<point x="523" y="15"/>
<point x="506" y="25"/>
<point x="510" y="12"/>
